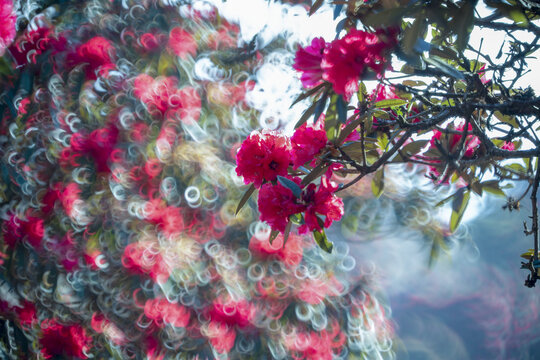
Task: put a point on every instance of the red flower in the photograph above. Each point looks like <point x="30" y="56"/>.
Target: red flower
<point x="451" y="141"/>
<point x="35" y="42"/>
<point x="182" y="43"/>
<point x="26" y="313"/>
<point x="277" y="203"/>
<point x="232" y="313"/>
<point x="508" y="145"/>
<point x="291" y="253"/>
<point x="322" y="201"/>
<point x="320" y="345"/>
<point x="98" y="53"/>
<point x="151" y="42"/>
<point x="225" y="37"/>
<point x="263" y="156"/>
<point x="163" y="98"/>
<point x="345" y="60"/>
<point x="7" y="25"/>
<point x="69" y="196"/>
<point x="221" y="336"/>
<point x="58" y="340"/>
<point x="33" y="228"/>
<point x="307" y="142"/>
<point x="143" y="257"/>
<point x="190" y="102"/>
<point x="155" y="93"/>
<point x="228" y="94"/>
<point x="15" y="229"/>
<point x="308" y="62"/>
<point x="162" y="311"/>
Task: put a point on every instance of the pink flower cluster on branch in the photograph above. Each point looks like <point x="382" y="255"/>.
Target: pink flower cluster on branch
<point x="264" y="160"/>
<point x="343" y="62"/>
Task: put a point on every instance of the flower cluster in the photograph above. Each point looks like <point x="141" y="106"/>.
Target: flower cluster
<point x="343" y="62"/>
<point x="118" y="192"/>
<point x="453" y="142"/>
<point x="7" y="29"/>
<point x="264" y="159"/>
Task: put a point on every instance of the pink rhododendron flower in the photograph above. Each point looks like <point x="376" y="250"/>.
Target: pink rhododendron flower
<point x="383" y="92"/>
<point x="7" y="25"/>
<point x="308" y="62"/>
<point x="307" y="142"/>
<point x="163" y="98"/>
<point x="221" y="336"/>
<point x="161" y="311"/>
<point x="345" y="60"/>
<point x="228" y="94"/>
<point x="143" y="257"/>
<point x="232" y="313"/>
<point x="26" y="313"/>
<point x="63" y="340"/>
<point x="321" y="201"/>
<point x="322" y="345"/>
<point x="451" y="141"/>
<point x="508" y="145"/>
<point x="152" y="42"/>
<point x="277" y="203"/>
<point x="98" y="54"/>
<point x="15" y="229"/>
<point x="225" y="37"/>
<point x="290" y="254"/>
<point x="35" y="42"/>
<point x="33" y="229"/>
<point x="263" y="156"/>
<point x="181" y="43"/>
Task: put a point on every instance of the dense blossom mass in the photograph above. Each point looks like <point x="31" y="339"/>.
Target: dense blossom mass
<point x="343" y="62"/>
<point x="7" y="28"/>
<point x="119" y="186"/>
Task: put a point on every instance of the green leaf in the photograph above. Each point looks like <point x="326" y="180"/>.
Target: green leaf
<point x="445" y="200"/>
<point x="476" y="187"/>
<point x="390" y="103"/>
<point x="350" y="127"/>
<point x="414" y="147"/>
<point x="5" y="67"/>
<point x="322" y="240"/>
<point x="273" y="235"/>
<point x="377" y="183"/>
<point x="245" y="198"/>
<point x="519" y="17"/>
<point x="459" y="205"/>
<point x="381" y="114"/>
<point x="291" y="185"/>
<point x="413" y="83"/>
<point x="310" y="110"/>
<point x="511" y="120"/>
<point x="316" y="5"/>
<point x="445" y="68"/>
<point x="321" y="104"/>
<point x="444" y="52"/>
<point x="166" y="65"/>
<point x="386" y="17"/>
<point x="308" y="94"/>
<point x="464" y="24"/>
<point x="314" y="174"/>
<point x="362" y="92"/>
<point x="331" y="118"/>
<point x="341" y="109"/>
<point x="287" y="232"/>
<point x="382" y="141"/>
<point x="528" y="255"/>
<point x="411" y="35"/>
<point x="493" y="187"/>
